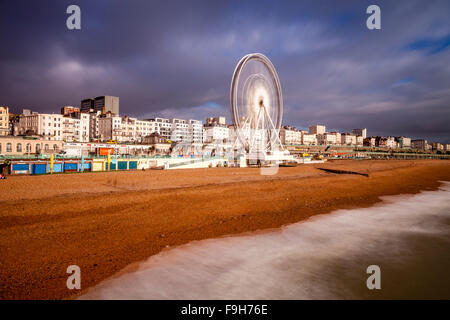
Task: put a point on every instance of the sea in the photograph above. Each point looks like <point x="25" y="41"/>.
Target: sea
<point x="406" y="238"/>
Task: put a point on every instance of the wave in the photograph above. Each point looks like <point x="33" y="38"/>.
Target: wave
<point x="325" y="257"/>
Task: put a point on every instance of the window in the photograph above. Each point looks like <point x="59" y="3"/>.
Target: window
<point x="38" y="148"/>
<point x="9" y="147"/>
<point x="55" y="147"/>
<point x="46" y="147"/>
<point x="28" y="147"/>
<point x="19" y="147"/>
<point x="0" y="148"/>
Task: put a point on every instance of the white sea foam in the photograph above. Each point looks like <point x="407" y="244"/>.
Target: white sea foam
<point x="325" y="257"/>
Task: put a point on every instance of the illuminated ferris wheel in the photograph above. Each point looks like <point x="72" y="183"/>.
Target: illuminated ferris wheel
<point x="256" y="103"/>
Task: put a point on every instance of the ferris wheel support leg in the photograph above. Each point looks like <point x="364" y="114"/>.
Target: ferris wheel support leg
<point x="256" y="129"/>
<point x="274" y="129"/>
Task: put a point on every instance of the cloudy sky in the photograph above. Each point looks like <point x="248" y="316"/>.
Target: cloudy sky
<point x="176" y="59"/>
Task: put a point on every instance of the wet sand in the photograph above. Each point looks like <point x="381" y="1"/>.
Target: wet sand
<point x="103" y="222"/>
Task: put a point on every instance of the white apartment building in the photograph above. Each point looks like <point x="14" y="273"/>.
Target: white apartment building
<point x="216" y="130"/>
<point x="180" y="130"/>
<point x="404" y="142"/>
<point x="162" y="126"/>
<point x="4" y="121"/>
<point x="195" y="130"/>
<point x="326" y="139"/>
<point x="317" y="129"/>
<point x="290" y="136"/>
<point x="54" y="126"/>
<point x="388" y="142"/>
<point x="391" y="142"/>
<point x="128" y="129"/>
<point x="309" y="139"/>
<point x="348" y="139"/>
<point x="49" y="126"/>
<point x="216" y="134"/>
<point x="359" y="140"/>
<point x="144" y="128"/>
<point x="337" y="137"/>
<point x="68" y="129"/>
<point x="76" y="129"/>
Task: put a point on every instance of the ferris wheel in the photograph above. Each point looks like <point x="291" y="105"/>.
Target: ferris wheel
<point x="256" y="103"/>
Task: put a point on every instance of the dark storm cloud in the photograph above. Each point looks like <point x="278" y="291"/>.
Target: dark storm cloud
<point x="175" y="59"/>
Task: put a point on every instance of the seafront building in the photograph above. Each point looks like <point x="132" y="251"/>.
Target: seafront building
<point x="309" y="139"/>
<point x="4" y="120"/>
<point x="54" y="126"/>
<point x="317" y="129"/>
<point x="98" y="120"/>
<point x="437" y="146"/>
<point x="360" y="132"/>
<point x="10" y="145"/>
<point x="419" y="144"/>
<point x="290" y="135"/>
<point x="215" y="130"/>
<point x="404" y="142"/>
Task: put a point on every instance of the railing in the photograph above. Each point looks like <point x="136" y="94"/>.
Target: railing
<point x="192" y="161"/>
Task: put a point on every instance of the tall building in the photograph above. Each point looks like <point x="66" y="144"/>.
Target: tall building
<point x="103" y="104"/>
<point x="317" y="129"/>
<point x="4" y="121"/>
<point x="360" y="132"/>
<point x="106" y="104"/>
<point x="87" y="105"/>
